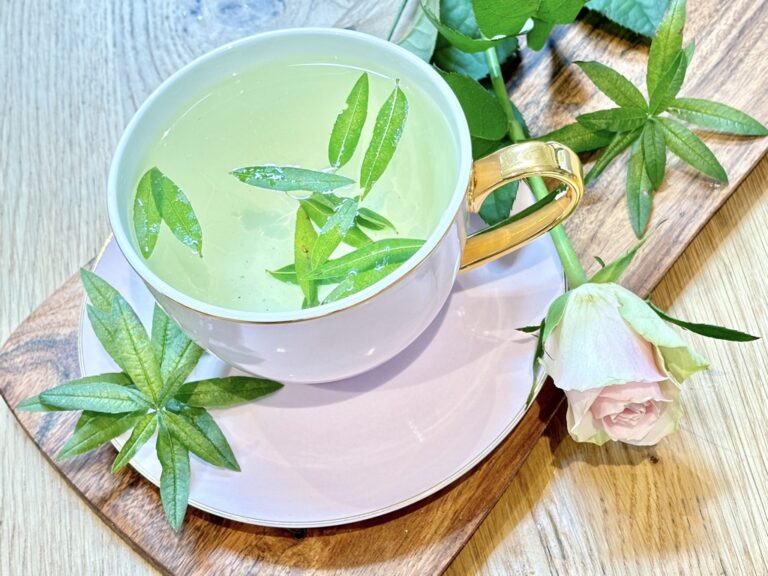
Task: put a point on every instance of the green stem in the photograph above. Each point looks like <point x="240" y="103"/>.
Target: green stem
<point x="399" y="15"/>
<point x="574" y="271"/>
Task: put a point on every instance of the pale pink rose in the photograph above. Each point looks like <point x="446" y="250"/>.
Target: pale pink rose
<point x="639" y="413"/>
<point x="619" y="364"/>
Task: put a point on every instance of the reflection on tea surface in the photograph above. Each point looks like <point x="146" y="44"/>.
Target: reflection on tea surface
<point x="248" y="155"/>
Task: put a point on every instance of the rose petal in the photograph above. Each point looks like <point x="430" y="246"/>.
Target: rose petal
<point x="593" y="346"/>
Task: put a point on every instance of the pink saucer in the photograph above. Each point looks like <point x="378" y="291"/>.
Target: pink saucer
<point x="329" y="454"/>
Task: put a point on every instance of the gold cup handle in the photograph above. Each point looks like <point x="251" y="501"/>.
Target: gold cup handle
<point x="516" y="162"/>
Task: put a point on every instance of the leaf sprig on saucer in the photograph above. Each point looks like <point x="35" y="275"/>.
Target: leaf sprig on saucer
<point x="325" y="220"/>
<point x="150" y="395"/>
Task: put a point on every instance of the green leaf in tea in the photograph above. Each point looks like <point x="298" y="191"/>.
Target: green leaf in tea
<point x="498" y="205"/>
<point x="349" y="124"/>
<point x="357" y="281"/>
<point x="640" y="16"/>
<point x="708" y="330"/>
<point x="290" y="178"/>
<point x="387" y="131"/>
<point x="333" y="232"/>
<point x="579" y="138"/>
<point x="613" y="85"/>
<point x="141" y="433"/>
<point x="484" y="114"/>
<point x="202" y="437"/>
<point x="97" y="396"/>
<point x="303" y="244"/>
<point x="146" y="216"/>
<point x="97" y="430"/>
<point x="367" y="218"/>
<point x="319" y="212"/>
<point x="174" y="479"/>
<point x="375" y="255"/>
<point x="174" y="208"/>
<point x="225" y="392"/>
<point x="689" y="148"/>
<point x="716" y="117"/>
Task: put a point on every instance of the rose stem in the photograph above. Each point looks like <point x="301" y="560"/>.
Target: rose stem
<point x="574" y="271"/>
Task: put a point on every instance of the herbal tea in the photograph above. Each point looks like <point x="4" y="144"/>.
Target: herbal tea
<point x="292" y="185"/>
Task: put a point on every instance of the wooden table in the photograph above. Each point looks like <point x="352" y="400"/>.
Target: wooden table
<point x="694" y="504"/>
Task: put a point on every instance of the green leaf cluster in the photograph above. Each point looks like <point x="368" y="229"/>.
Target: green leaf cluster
<point x="149" y="396"/>
<point x="650" y="126"/>
<point x="158" y="199"/>
<point x="324" y="220"/>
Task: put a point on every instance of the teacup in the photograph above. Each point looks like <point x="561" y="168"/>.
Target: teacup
<point x="345" y="338"/>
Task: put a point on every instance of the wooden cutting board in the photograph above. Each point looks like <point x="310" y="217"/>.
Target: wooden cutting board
<point x="423" y="538"/>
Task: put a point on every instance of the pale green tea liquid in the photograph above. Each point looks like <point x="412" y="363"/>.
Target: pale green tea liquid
<point x="283" y="114"/>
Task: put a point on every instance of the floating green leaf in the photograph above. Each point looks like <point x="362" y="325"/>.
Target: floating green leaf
<point x="357" y="281"/>
<point x="614" y="85"/>
<point x="717" y="117"/>
<point x="175" y="210"/>
<point x="349" y="124"/>
<point x="290" y="178"/>
<point x="387" y="131"/>
<point x="579" y="138"/>
<point x="498" y="205"/>
<point x="225" y="392"/>
<point x="102" y="397"/>
<point x="146" y="216"/>
<point x="333" y="232"/>
<point x="375" y="255"/>
<point x="142" y="432"/>
<point x="689" y="148"/>
<point x="304" y="242"/>
<point x="654" y="153"/>
<point x="367" y="218"/>
<point x="708" y="330"/>
<point x="639" y="16"/>
<point x="199" y="434"/>
<point x="98" y="429"/>
<point x="319" y="212"/>
<point x="174" y="479"/>
<point x="484" y="114"/>
<point x="614" y="119"/>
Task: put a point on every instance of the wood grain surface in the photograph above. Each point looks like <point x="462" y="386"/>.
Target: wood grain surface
<point x="74" y="72"/>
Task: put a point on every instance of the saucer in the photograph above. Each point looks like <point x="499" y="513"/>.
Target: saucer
<point x="329" y="454"/>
